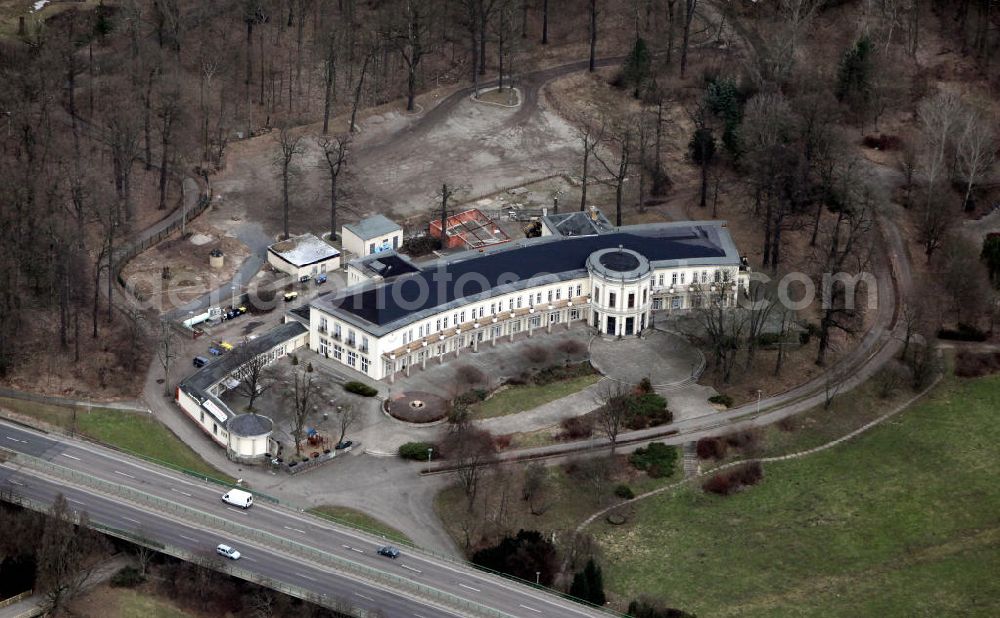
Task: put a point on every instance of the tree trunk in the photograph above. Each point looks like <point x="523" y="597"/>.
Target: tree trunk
<point x="704" y="182"/>
<point x="545" y="22"/>
<point x="689" y="6"/>
<point x="593" y="39"/>
<point x="333" y="206"/>
<point x="284" y="196"/>
<point x="328" y="77"/>
<point x="163" y="165"/>
<point x="583" y="180"/>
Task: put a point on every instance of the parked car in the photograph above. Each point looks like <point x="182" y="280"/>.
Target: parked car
<point x="238" y="497"/>
<point x="227" y="551"/>
<point x="304" y="279"/>
<point x="321" y="279"/>
<point x="344" y="444"/>
<point x="290" y="296"/>
<point x="241" y="309"/>
<point x="199" y="361"/>
<point x="225" y="345"/>
<point x="388" y="551"/>
<point x="214" y="351"/>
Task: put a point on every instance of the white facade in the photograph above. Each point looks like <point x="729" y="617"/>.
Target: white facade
<point x="303" y="256"/>
<point x="372" y="235"/>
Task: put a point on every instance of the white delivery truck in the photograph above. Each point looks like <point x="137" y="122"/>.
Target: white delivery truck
<point x="238" y="497"/>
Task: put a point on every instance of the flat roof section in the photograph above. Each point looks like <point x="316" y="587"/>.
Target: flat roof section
<point x="474" y="275"/>
<point x="386" y="264"/>
<point x="373" y="227"/>
<point x="303" y="250"/>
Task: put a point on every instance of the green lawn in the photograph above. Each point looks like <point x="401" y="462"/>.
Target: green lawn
<point x="130" y="431"/>
<point x="902" y="521"/>
<point x="133" y="604"/>
<point x="358" y="519"/>
<point x="520" y="398"/>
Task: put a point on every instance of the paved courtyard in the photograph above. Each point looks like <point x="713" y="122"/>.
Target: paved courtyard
<point x="663" y="357"/>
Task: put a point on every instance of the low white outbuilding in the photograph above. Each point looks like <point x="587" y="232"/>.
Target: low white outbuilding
<point x="303" y="256"/>
<point x="372" y="235"/>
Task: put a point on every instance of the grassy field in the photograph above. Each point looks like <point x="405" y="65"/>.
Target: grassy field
<point x="130" y="431"/>
<point x="360" y="520"/>
<point x="124" y="603"/>
<point x="902" y="521"/>
<point x="520" y="398"/>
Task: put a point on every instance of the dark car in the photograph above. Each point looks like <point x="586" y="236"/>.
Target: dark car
<point x="321" y="279"/>
<point x="343" y="445"/>
<point x="200" y="361"/>
<point x="388" y="551"/>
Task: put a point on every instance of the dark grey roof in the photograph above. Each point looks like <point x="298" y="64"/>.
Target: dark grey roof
<point x="373" y="227"/>
<point x="250" y="425"/>
<point x="387" y="264"/>
<point x="197" y="385"/>
<point x="577" y="223"/>
<point x="478" y="274"/>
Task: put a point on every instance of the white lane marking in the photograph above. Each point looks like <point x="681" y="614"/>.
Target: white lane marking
<point x="70" y="456"/>
<point x="411" y="568"/>
<point x="364" y="596"/>
<point x="188" y="538"/>
<point x="295" y="530"/>
<point x="532" y="609"/>
<point x="470" y="588"/>
<point x="360" y="551"/>
<point x="17" y="440"/>
<point x="13" y="482"/>
<point x="183" y="493"/>
<point x="306" y="577"/>
<point x="241" y="512"/>
<point x="248" y="558"/>
<point x="130" y="519"/>
<point x="124" y="474"/>
<point x="73" y="500"/>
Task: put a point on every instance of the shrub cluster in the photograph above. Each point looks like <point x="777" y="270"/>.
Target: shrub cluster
<point x="729" y="481"/>
<point x="882" y="142"/>
<point x="522" y="556"/>
<point x="624" y="491"/>
<point x="711" y="448"/>
<point x="556" y="373"/>
<point x="962" y="332"/>
<point x="645" y="607"/>
<point x="973" y="364"/>
<point x="418" y="451"/>
<point x="127" y="577"/>
<point x="657" y="459"/>
<point x="724" y="400"/>
<point x="648" y="410"/>
<point x="416" y="246"/>
<point x="577" y="427"/>
<point x="360" y="388"/>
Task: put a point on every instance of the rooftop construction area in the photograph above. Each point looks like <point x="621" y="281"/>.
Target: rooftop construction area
<point x="470" y="229"/>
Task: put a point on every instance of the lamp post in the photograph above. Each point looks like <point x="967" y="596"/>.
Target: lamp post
<point x="429" y="452"/>
<point x="758" y="401"/>
<point x="538" y="577"/>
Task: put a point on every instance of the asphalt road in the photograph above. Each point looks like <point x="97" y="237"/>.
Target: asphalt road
<point x="454" y="578"/>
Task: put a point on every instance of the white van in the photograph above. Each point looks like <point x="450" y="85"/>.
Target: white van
<point x="238" y="497"/>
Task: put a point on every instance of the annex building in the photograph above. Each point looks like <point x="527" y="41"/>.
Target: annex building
<point x="398" y="314"/>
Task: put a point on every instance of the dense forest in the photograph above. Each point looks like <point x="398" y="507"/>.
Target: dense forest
<point x="108" y="105"/>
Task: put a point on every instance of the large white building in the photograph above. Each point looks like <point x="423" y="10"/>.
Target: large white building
<point x="613" y="278"/>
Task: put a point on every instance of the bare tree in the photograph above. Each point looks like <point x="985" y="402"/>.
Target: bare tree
<point x="301" y="393"/>
<point x="289" y="148"/>
<point x="68" y="554"/>
<point x="252" y="373"/>
<point x="976" y="151"/>
<point x="335" y="156"/>
<point x="593" y="37"/>
<point x="409" y="40"/>
<point x="689" y="9"/>
<point x="166" y="352"/>
<point x="615" y="399"/>
<point x="716" y="322"/>
<point x="591" y="136"/>
<point x="169" y="112"/>
<point x="347" y="417"/>
<point x="359" y="88"/>
<point x="473" y="451"/>
<point x="620" y="139"/>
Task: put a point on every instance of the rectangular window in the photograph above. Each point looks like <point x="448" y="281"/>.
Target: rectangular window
<point x="336" y="331"/>
<point x="644" y="296"/>
<point x="597" y="294"/>
<point x="496" y="331"/>
<point x="481" y="310"/>
<point x="461" y="318"/>
<point x="338" y="352"/>
<point x="611" y="299"/>
<point x="578" y="289"/>
<point x="510" y="304"/>
<point x="725" y="276"/>
<point x="444" y="322"/>
<point x="493" y="309"/>
<point x="203" y="417"/>
<point x="364" y="364"/>
<point x="536" y="320"/>
<point x="538" y="298"/>
<point x="558" y="293"/>
<point x="682" y="278"/>
<point x="718" y="276"/>
<point x="515" y="326"/>
<point x="550" y="296"/>
<point x="704" y="276"/>
<point x="364" y="343"/>
<point x="673" y="279"/>
<point x="631" y="301"/>
<point x="371" y="248"/>
<point x="420" y="331"/>
<point x="569" y="292"/>
<point x="553" y="317"/>
<point x="322" y="325"/>
<point x="574" y="314"/>
<point x="352" y="359"/>
<point x="324" y="347"/>
<point x="518" y="302"/>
